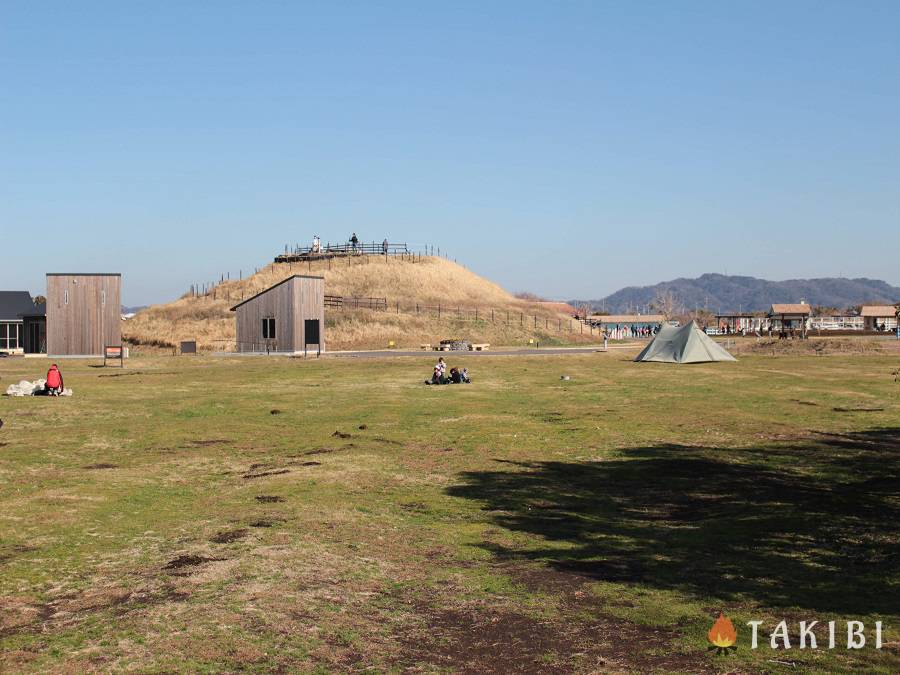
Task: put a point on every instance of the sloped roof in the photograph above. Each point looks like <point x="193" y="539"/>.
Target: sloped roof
<point x="283" y="281"/>
<point x="790" y="308"/>
<point x="13" y="304"/>
<point x="627" y="318"/>
<point x="878" y="311"/>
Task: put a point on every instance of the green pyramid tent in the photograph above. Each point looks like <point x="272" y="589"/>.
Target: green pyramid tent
<point x="686" y="344"/>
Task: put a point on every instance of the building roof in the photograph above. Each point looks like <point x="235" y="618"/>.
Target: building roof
<point x="878" y="311"/>
<point x="790" y="308"/>
<point x="16" y="304"/>
<point x="293" y="276"/>
<point x="627" y="318"/>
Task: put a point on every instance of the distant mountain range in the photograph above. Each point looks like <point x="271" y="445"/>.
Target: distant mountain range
<point x="718" y="292"/>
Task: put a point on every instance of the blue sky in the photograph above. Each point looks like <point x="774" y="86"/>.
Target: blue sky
<point x="565" y="148"/>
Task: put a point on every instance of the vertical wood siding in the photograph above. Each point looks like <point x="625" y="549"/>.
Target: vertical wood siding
<point x="274" y="303"/>
<point x="310" y="304"/>
<point x="289" y="303"/>
<point x="90" y="320"/>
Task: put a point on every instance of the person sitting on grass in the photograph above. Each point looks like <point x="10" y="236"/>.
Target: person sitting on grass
<point x="54" y="385"/>
<point x="436" y="377"/>
<point x="458" y="376"/>
<point x="440" y="373"/>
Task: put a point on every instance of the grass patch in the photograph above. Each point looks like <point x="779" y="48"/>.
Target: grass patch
<point x="598" y="523"/>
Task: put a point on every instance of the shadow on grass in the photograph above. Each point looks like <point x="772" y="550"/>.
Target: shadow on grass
<point x="812" y="524"/>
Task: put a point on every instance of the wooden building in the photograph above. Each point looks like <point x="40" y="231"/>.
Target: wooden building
<point x="789" y="317"/>
<point x="84" y="313"/>
<point x="629" y="320"/>
<point x="288" y="317"/>
<point x="729" y="323"/>
<point x="880" y="317"/>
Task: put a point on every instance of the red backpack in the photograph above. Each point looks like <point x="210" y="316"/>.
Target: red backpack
<point x="54" y="378"/>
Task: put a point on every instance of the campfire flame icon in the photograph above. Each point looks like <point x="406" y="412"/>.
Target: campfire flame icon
<point x="722" y="635"/>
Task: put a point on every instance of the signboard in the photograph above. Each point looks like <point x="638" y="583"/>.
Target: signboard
<point x="189" y="347"/>
<point x="114" y="352"/>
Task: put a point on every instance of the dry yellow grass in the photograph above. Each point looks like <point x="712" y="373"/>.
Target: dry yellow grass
<point x="428" y="282"/>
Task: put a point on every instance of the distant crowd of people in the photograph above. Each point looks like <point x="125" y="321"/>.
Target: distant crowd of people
<point x="631" y="331"/>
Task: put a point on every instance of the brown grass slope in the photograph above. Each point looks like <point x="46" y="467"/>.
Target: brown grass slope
<point x="425" y="283"/>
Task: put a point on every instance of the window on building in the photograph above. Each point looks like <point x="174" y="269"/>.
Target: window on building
<point x="268" y="329"/>
<point x="9" y="336"/>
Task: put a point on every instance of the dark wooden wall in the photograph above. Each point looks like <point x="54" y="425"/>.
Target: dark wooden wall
<point x="289" y="303"/>
<point x="274" y="303"/>
<point x="92" y="317"/>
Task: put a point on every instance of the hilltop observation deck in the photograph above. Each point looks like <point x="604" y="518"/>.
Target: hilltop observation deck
<point x="329" y="250"/>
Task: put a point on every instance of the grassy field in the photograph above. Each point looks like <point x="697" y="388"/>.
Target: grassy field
<point x="336" y="515"/>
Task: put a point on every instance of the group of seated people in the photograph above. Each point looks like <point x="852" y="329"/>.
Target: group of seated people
<point x="455" y="376"/>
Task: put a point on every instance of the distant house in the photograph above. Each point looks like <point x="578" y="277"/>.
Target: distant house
<point x="624" y="326"/>
<point x="879" y="317"/>
<point x="789" y="317"/>
<point x="627" y="319"/>
<point x="740" y="322"/>
<point x="286" y="317"/>
<point x="21" y="324"/>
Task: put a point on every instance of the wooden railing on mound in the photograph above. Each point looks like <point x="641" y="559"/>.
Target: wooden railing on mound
<point x="303" y="253"/>
<point x="341" y="302"/>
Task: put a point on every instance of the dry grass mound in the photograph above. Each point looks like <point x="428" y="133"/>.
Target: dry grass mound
<point x="413" y="290"/>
